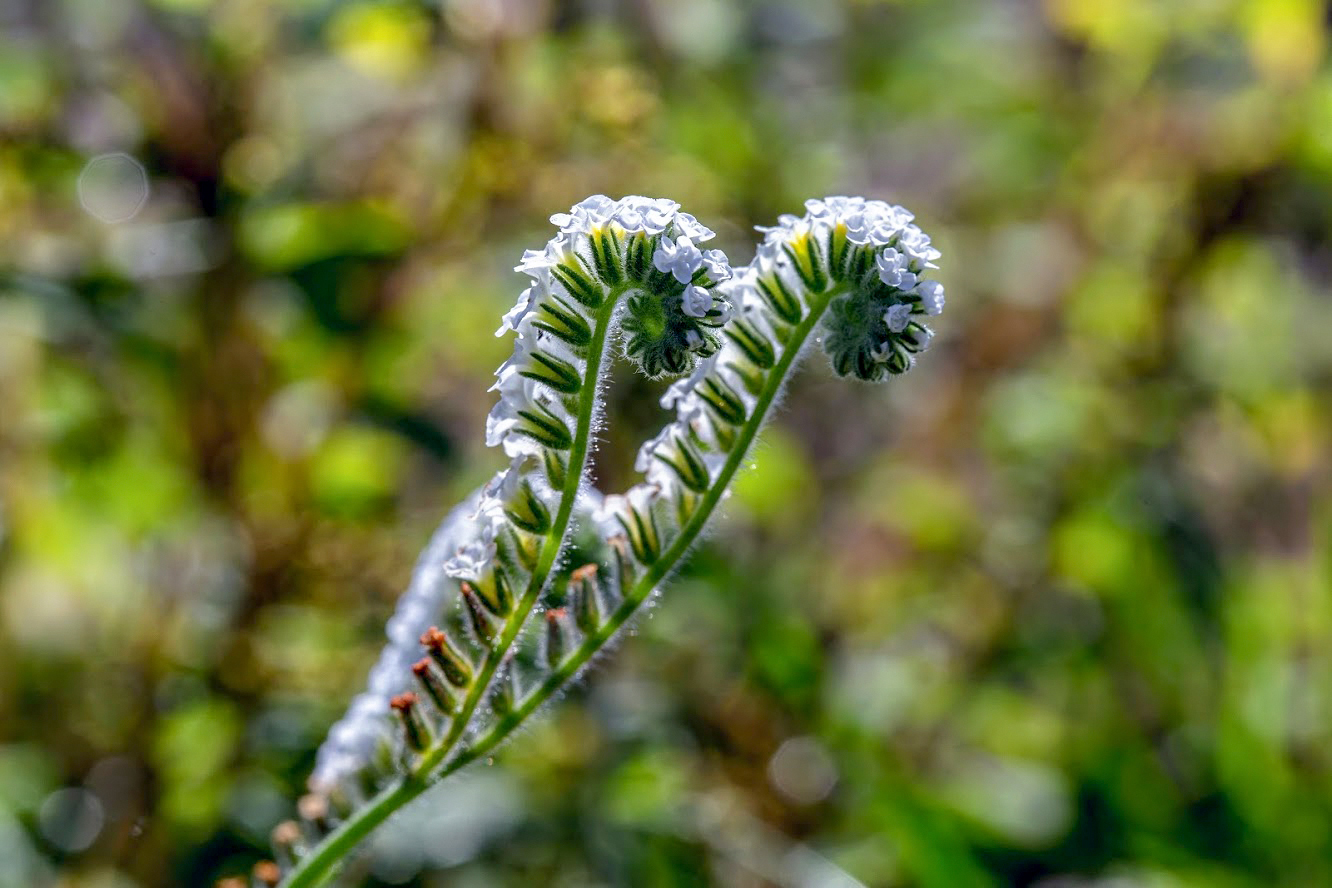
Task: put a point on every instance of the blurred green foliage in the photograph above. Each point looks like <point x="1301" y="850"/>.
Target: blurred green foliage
<point x="1055" y="609"/>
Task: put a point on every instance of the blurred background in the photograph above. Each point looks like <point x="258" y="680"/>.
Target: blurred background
<point x="1055" y="609"/>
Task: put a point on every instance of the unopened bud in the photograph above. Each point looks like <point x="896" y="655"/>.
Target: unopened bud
<point x="640" y="527"/>
<point x="625" y="568"/>
<point x="586" y="598"/>
<point x="414" y="729"/>
<point x="267" y="874"/>
<point x="456" y="667"/>
<point x="477" y="615"/>
<point x="502" y="699"/>
<point x="313" y="808"/>
<point x="494" y="593"/>
<point x="286" y="838"/>
<point x="434" y="685"/>
<point x="557" y="636"/>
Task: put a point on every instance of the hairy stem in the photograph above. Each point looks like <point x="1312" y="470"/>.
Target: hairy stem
<point x="320" y="862"/>
<point x="669" y="559"/>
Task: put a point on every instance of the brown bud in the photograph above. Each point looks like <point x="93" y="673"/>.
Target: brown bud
<point x="557" y="637"/>
<point x="286" y="838"/>
<point x="433" y="684"/>
<point x="476" y="612"/>
<point x="313" y="808"/>
<point x="267" y="873"/>
<point x="413" y="726"/>
<point x="457" y="669"/>
<point x="586" y="598"/>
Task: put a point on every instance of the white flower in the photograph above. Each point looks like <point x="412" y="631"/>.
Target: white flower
<point x="687" y="226"/>
<point x="516" y="393"/>
<point x="683" y="388"/>
<point x="915" y="244"/>
<point x="719" y="268"/>
<point x="696" y="301"/>
<point x="882" y="352"/>
<point x="897" y="317"/>
<point x="473" y="559"/>
<point x="931" y="296"/>
<point x="639" y="499"/>
<point x="589" y="213"/>
<point x="727" y="310"/>
<point x="894" y="269"/>
<point x="538" y="263"/>
<point x="681" y="258"/>
<point x="649" y="215"/>
<point x="527" y="300"/>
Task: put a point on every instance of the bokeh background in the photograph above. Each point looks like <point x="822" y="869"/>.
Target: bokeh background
<point x="1055" y="609"/>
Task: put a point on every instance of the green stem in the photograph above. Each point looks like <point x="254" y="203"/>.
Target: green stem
<point x="667" y="562"/>
<point x="313" y="869"/>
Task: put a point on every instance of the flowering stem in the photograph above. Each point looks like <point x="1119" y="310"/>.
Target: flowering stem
<point x="319" y="863"/>
<point x="578" y="658"/>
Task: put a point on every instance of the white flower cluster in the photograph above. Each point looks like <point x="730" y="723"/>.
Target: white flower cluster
<point x="902" y="252"/>
<point x="554" y="315"/>
<point x="902" y="255"/>
<point x="799" y="256"/>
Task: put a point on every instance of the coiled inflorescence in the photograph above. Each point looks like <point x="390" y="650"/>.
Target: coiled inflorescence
<point x="857" y="267"/>
<point x="460" y="672"/>
<point x="489" y="555"/>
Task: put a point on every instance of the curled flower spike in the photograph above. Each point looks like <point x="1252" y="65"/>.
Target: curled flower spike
<point x="854" y="271"/>
<point x="878" y="258"/>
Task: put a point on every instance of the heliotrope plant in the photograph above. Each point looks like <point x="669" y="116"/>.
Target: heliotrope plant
<point x="537" y="572"/>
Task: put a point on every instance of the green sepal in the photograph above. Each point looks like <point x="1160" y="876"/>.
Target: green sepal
<point x="555" y="372"/>
<point x="557" y="470"/>
<point x="545" y="428"/>
<point x="605" y="256"/>
<point x="688" y="466"/>
<point x="750" y="378"/>
<point x="722" y="399"/>
<point x="782" y="301"/>
<point x="644" y="541"/>
<point x="579" y="285"/>
<point x="753" y="343"/>
<point x="564" y="322"/>
<point x="527" y="511"/>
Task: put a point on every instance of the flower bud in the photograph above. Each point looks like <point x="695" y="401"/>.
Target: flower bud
<point x="455" y="666"/>
<point x="286" y="838"/>
<point x="557" y="636"/>
<point x="432" y="682"/>
<point x="267" y="874"/>
<point x="313" y="808"/>
<point x="414" y="729"/>
<point x="505" y="694"/>
<point x="588" y="612"/>
<point x="481" y="621"/>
